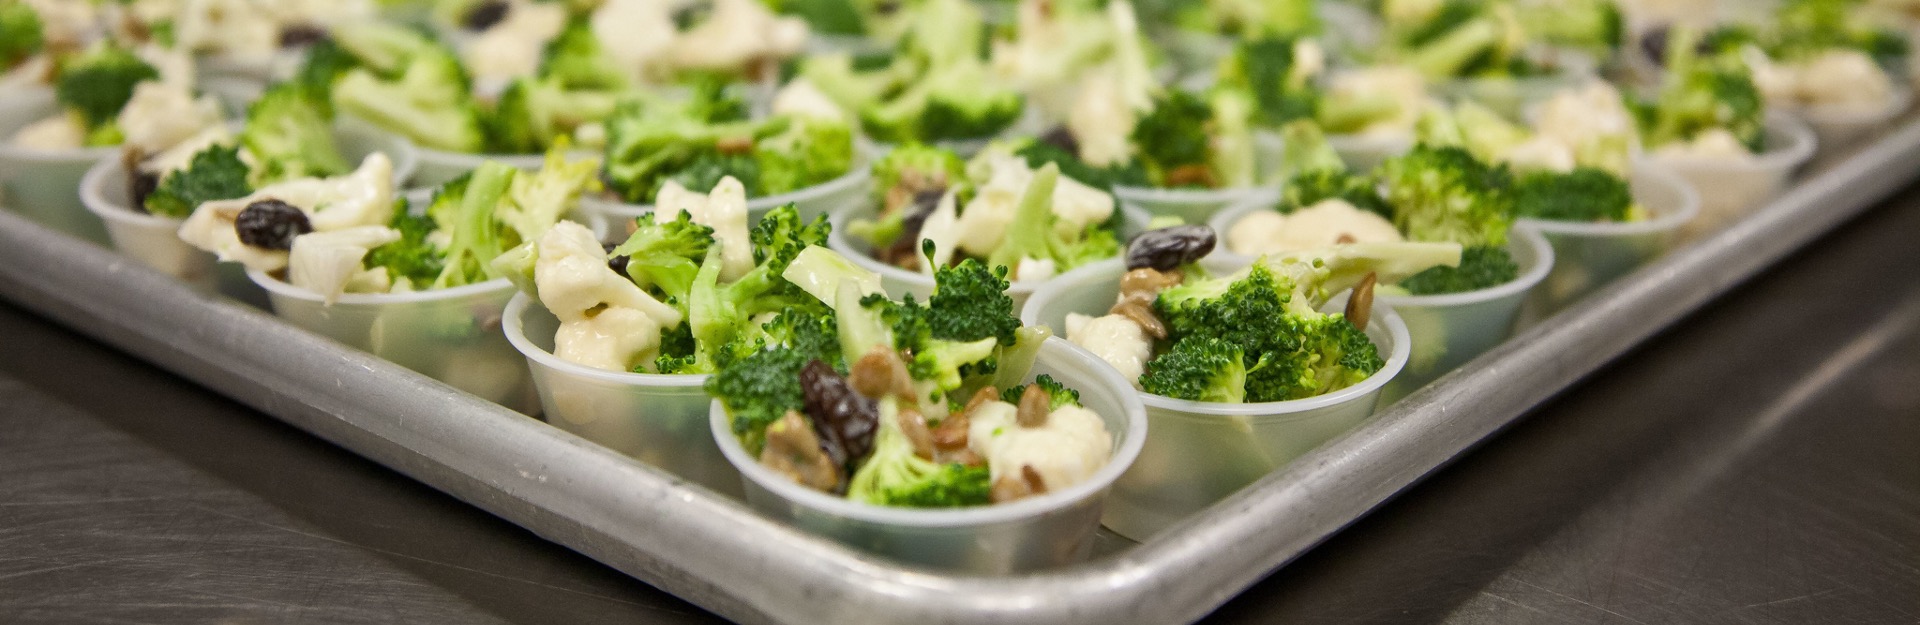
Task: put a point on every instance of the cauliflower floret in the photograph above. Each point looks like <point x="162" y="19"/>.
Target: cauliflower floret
<point x="639" y="34"/>
<point x="1101" y="121"/>
<point x="236" y="27"/>
<point x="983" y="225"/>
<point x="1716" y="144"/>
<point x="512" y="47"/>
<point x="162" y="115"/>
<point x="1068" y="449"/>
<point x="59" y="132"/>
<point x="66" y="23"/>
<point x="801" y="98"/>
<point x="1033" y="270"/>
<point x="573" y="279"/>
<point x="739" y="33"/>
<point x="1404" y="85"/>
<point x="328" y="263"/>
<point x="361" y="198"/>
<point x="1844" y="78"/>
<point x="724" y="209"/>
<point x="1593" y="121"/>
<point x="1115" y="339"/>
<point x="1540" y="153"/>
<point x="1322" y="225"/>
<point x="614" y="339"/>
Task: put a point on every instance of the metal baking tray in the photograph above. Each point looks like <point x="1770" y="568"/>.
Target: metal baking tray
<point x="717" y="553"/>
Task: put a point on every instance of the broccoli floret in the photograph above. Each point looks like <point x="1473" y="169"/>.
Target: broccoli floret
<point x="1039" y="153"/>
<point x="764" y="385"/>
<point x="1340" y="353"/>
<point x="957" y="101"/>
<point x="1199" y="368"/>
<point x="533" y="113"/>
<point x="289" y="136"/>
<point x="1703" y="93"/>
<point x="1480" y="267"/>
<point x="1265" y="68"/>
<point x="719" y="313"/>
<point x="955" y="338"/>
<point x="1237" y="309"/>
<point x="895" y="476"/>
<point x="326" y="61"/>
<point x="1584" y="194"/>
<point x="576" y="60"/>
<point x="1483" y="132"/>
<point x="21" y="34"/>
<point x="1173" y="141"/>
<point x="413" y="258"/>
<point x="215" y="173"/>
<point x="806" y="151"/>
<point x="852" y="89"/>
<point x="409" y="84"/>
<point x="1058" y="394"/>
<point x="97" y="83"/>
<point x="649" y="143"/>
<point x="1455" y="38"/>
<point x="538" y="199"/>
<point x="1806" y="28"/>
<point x="1593" y="25"/>
<point x="915" y="167"/>
<point x="1318" y="174"/>
<point x="465" y="209"/>
<point x="666" y="256"/>
<point x="1031" y="234"/>
<point x="1445" y="194"/>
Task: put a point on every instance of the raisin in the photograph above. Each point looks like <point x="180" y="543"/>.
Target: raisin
<point x="617" y="263"/>
<point x="485" y="15"/>
<point x="141" y="184"/>
<point x="271" y="224"/>
<point x="296" y="35"/>
<point x="1654" y="43"/>
<point x="1061" y="138"/>
<point x="1169" y="248"/>
<point x="845" y="419"/>
<point x="905" y="251"/>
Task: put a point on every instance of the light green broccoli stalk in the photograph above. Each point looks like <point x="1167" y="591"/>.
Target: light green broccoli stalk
<point x="1701" y="94"/>
<point x="408" y="84"/>
<point x="290" y="136"/>
<point x="1032" y="235"/>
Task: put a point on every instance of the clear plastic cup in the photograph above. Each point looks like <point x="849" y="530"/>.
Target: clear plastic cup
<point x="1194" y="206"/>
<point x="42" y="185"/>
<point x="1841" y="126"/>
<point x="154" y="239"/>
<point x="1364" y="152"/>
<point x="658" y="419"/>
<point x="1449" y="330"/>
<point x="899" y="282"/>
<point x="1050" y="530"/>
<point x="1587" y="256"/>
<point x="814" y="201"/>
<point x="1198" y="453"/>
<point x="1729" y="189"/>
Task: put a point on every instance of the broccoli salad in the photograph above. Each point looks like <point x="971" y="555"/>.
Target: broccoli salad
<point x="1435" y="193"/>
<point x="1453" y="39"/>
<point x="112" y="95"/>
<point x="1257" y="335"/>
<point x="288" y="135"/>
<point x="1180" y="140"/>
<point x="351" y="234"/>
<point x="633" y="41"/>
<point x="937" y="87"/>
<point x="931" y="413"/>
<point x="1009" y="207"/>
<point x="244" y="30"/>
<point x="1576" y="172"/>
<point x="1816" y="53"/>
<point x="1707" y="106"/>
<point x="698" y="141"/>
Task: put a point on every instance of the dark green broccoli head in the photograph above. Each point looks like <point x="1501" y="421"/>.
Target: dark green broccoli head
<point x="952" y="485"/>
<point x="799" y="152"/>
<point x="1480" y="267"/>
<point x="576" y="60"/>
<point x="1444" y="194"/>
<point x="952" y="102"/>
<point x="1585" y="194"/>
<point x="1199" y="368"/>
<point x="98" y="83"/>
<point x="970" y="303"/>
<point x="664" y="257"/>
<point x="1058" y="394"/>
<point x="21" y="35"/>
<point x="413" y="258"/>
<point x="1265" y="68"/>
<point x="326" y="61"/>
<point x="215" y="173"/>
<point x="1173" y="140"/>
<point x="1237" y="339"/>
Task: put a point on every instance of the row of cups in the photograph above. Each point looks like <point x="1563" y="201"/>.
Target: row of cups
<point x="485" y="339"/>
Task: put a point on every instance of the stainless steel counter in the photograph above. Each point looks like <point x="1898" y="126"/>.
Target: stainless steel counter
<point x="1758" y="463"/>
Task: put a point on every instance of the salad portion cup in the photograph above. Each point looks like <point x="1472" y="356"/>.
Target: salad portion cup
<point x="899" y="281"/>
<point x="1044" y="531"/>
<point x="41" y="184"/>
<point x="1839" y="126"/>
<point x="1364" y="152"/>
<point x="1587" y="256"/>
<point x="154" y="239"/>
<point x="1513" y="96"/>
<point x="1198" y="453"/>
<point x="657" y="419"/>
<point x="1729" y="189"/>
<point x="814" y="201"/>
<point x="1449" y="330"/>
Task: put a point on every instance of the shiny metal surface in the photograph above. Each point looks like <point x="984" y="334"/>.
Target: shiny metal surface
<point x="715" y="553"/>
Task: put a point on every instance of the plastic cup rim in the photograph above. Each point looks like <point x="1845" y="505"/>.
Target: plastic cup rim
<point x="1124" y="453"/>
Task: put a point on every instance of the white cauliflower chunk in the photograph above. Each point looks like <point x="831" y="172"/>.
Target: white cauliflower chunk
<point x="161" y="115"/>
<point x="328" y="263"/>
<point x="512" y="47"/>
<point x="1068" y="449"/>
<point x="181" y="154"/>
<point x="1101" y="120"/>
<point x="1716" y="144"/>
<point x="739" y="33"/>
<point x="1540" y="153"/>
<point x="1322" y="225"/>
<point x="59" y="132"/>
<point x="1115" y="339"/>
<point x="983" y="225"/>
<point x="613" y="339"/>
<point x="802" y="99"/>
<point x="638" y="34"/>
<point x="238" y="27"/>
<point x="573" y="279"/>
<point x="1844" y="78"/>
<point x="1592" y="121"/>
<point x="361" y="198"/>
<point x="724" y="209"/>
